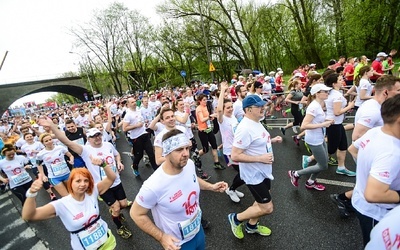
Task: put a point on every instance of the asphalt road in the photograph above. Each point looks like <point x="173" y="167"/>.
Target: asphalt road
<point x="302" y="219"/>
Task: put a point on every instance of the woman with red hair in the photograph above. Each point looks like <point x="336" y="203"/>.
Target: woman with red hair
<point x="78" y="208"/>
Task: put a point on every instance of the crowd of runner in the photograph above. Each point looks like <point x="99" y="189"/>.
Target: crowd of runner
<point x="71" y="152"/>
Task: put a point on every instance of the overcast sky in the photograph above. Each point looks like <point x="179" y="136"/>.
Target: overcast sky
<point x="35" y="34"/>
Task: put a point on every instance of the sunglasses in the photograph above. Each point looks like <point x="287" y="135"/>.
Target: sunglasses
<point x="96" y="135"/>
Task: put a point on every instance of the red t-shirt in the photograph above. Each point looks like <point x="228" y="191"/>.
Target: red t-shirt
<point x="349" y="69"/>
<point x="278" y="84"/>
<point x="378" y="67"/>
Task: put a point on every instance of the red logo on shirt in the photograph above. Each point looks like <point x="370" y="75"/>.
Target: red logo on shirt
<point x="176" y="196"/>
<point x="364" y="144"/>
<point x="367" y="120"/>
<point x="191" y="203"/>
<point x="384" y="174"/>
<point x="99" y="154"/>
<point x="239" y="142"/>
<point x="141" y="198"/>
<point x="78" y="216"/>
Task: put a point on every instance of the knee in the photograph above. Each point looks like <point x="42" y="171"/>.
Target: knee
<point x="205" y="150"/>
<point x="267" y="208"/>
<point x="116" y="207"/>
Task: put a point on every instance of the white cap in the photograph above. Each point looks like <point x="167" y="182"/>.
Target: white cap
<point x="312" y="65"/>
<point x="318" y="87"/>
<point x="381" y="54"/>
<point x="279" y="69"/>
<point x="280" y="72"/>
<point x="298" y="74"/>
<point x="92" y="131"/>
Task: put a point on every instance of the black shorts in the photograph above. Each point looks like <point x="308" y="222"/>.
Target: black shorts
<point x="336" y="138"/>
<point x="261" y="192"/>
<point x="114" y="194"/>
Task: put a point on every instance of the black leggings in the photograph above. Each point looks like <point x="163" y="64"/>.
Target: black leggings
<point x="143" y="143"/>
<point x="366" y="224"/>
<point x="20" y="191"/>
<point x="337" y="138"/>
<point x="206" y="138"/>
<point x="237" y="182"/>
<point x="297" y="115"/>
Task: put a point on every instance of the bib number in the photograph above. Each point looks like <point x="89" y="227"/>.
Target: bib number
<point x="20" y="178"/>
<point x="59" y="168"/>
<point x="80" y="141"/>
<point x="103" y="174"/>
<point x="191" y="226"/>
<point x="93" y="237"/>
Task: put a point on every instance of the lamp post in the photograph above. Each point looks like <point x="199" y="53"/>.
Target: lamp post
<point x="87" y="56"/>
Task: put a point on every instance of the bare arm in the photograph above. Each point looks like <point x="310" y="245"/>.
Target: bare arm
<point x="379" y="192"/>
<point x="363" y="95"/>
<point x="306" y="124"/>
<point x="158" y="155"/>
<point x="353" y="151"/>
<point x="30" y="211"/>
<point x="239" y="156"/>
<point x="338" y="110"/>
<point x="140" y="216"/>
<point x="358" y="131"/>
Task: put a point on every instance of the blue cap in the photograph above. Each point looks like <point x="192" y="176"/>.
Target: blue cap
<point x="253" y="100"/>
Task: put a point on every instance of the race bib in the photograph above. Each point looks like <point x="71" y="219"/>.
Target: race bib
<point x="59" y="168"/>
<point x="79" y="141"/>
<point x="20" y="178"/>
<point x="94" y="236"/>
<point x="33" y="161"/>
<point x="191" y="226"/>
<point x="103" y="174"/>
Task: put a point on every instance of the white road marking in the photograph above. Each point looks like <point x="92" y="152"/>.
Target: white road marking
<point x="336" y="183"/>
<point x="26" y="234"/>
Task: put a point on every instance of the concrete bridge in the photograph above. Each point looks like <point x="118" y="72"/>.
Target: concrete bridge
<point x="73" y="86"/>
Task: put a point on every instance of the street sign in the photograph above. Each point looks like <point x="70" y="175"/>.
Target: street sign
<point x="183" y="73"/>
<point x="212" y="68"/>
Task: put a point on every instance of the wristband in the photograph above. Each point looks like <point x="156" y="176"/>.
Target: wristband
<point x="103" y="164"/>
<point x="28" y="194"/>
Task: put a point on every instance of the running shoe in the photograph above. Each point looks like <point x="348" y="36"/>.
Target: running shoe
<point x="205" y="176"/>
<point x="261" y="230"/>
<point x="53" y="197"/>
<point x="341" y="204"/>
<point x="232" y="194"/>
<point x="218" y="165"/>
<point x="237" y="229"/>
<point x="345" y="172"/>
<point x="332" y="161"/>
<point x="272" y="117"/>
<point x="99" y="198"/>
<point x="283" y="130"/>
<point x="296" y="140"/>
<point x="293" y="179"/>
<point x="129" y="203"/>
<point x="239" y="194"/>
<point x="124" y="232"/>
<point x="135" y="171"/>
<point x="304" y="161"/>
<point x="284" y="114"/>
<point x="315" y="186"/>
<point x="294" y="128"/>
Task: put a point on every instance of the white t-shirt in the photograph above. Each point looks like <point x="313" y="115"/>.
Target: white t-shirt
<point x="159" y="136"/>
<point x="369" y="114"/>
<point x="160" y="127"/>
<point x="267" y="88"/>
<point x="76" y="214"/>
<point x="378" y="157"/>
<point x="335" y="97"/>
<point x="174" y="201"/>
<point x="20" y="142"/>
<point x="227" y="129"/>
<point x="31" y="150"/>
<point x="385" y="235"/>
<point x="255" y="140"/>
<point x="134" y="117"/>
<point x="15" y="171"/>
<point x="155" y="105"/>
<point x="147" y="114"/>
<point x="82" y="121"/>
<point x="190" y="100"/>
<point x="315" y="136"/>
<point x="187" y="125"/>
<point x="365" y="85"/>
<point x="54" y="161"/>
<point x="106" y="152"/>
<point x="238" y="111"/>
